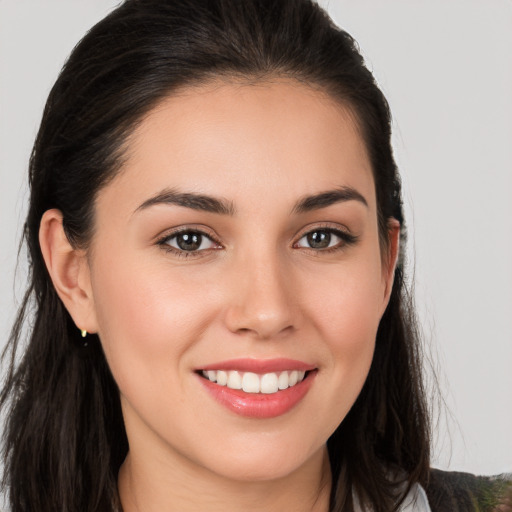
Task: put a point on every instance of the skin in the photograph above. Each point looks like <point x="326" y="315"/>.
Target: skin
<point x="258" y="290"/>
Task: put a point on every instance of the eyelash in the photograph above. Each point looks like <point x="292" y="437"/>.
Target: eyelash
<point x="164" y="243"/>
<point x="346" y="238"/>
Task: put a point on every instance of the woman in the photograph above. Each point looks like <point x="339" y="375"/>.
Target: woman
<point x="214" y="231"/>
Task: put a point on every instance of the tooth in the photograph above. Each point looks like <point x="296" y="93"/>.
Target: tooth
<point x="222" y="378"/>
<point x="251" y="383"/>
<point x="283" y="380"/>
<point x="269" y="383"/>
<point x="234" y="380"/>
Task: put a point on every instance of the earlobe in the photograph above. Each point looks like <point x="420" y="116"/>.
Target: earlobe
<point x="391" y="258"/>
<point x="68" y="269"/>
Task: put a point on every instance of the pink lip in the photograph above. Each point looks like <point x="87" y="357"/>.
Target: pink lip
<point x="259" y="405"/>
<point x="260" y="366"/>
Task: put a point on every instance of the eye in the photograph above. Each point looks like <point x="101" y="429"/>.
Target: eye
<point x="325" y="238"/>
<point x="189" y="241"/>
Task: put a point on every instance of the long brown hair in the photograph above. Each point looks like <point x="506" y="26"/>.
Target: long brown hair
<point x="64" y="439"/>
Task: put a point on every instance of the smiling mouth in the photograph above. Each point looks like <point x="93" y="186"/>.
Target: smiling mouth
<point x="249" y="382"/>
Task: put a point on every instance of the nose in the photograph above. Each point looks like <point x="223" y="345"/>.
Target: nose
<point x="262" y="303"/>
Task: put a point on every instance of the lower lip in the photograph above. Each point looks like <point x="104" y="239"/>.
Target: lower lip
<point x="259" y="405"/>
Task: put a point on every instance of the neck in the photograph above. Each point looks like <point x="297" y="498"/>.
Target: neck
<point x="158" y="487"/>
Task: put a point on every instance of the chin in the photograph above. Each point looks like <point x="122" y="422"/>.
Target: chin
<point x="260" y="465"/>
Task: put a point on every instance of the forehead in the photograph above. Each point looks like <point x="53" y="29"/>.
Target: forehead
<point x="241" y="139"/>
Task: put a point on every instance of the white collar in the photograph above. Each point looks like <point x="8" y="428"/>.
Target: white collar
<point x="415" y="501"/>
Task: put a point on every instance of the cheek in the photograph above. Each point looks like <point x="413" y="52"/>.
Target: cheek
<point x="346" y="314"/>
<point x="346" y="304"/>
<point x="147" y="319"/>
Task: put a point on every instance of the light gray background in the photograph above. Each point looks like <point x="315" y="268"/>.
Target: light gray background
<point x="446" y="69"/>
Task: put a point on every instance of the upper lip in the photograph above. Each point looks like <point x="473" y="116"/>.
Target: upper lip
<point x="260" y="365"/>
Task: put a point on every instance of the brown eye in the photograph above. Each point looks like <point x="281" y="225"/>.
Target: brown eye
<point x="190" y="241"/>
<point x="319" y="239"/>
<point x="326" y="238"/>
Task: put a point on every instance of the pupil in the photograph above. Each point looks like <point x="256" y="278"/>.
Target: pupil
<point x="189" y="241"/>
<point x="319" y="239"/>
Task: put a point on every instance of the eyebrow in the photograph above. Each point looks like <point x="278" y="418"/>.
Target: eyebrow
<point x="220" y="206"/>
<point x="325" y="199"/>
<point x="190" y="200"/>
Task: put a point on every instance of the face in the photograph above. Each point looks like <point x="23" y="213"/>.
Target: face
<point x="238" y="247"/>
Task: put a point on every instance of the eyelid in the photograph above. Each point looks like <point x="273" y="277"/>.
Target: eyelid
<point x="327" y="226"/>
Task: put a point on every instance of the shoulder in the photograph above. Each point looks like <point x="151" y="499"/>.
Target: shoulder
<point x="453" y="491"/>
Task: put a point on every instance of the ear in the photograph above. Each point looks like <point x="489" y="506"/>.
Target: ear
<point x="390" y="259"/>
<point x="69" y="271"/>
